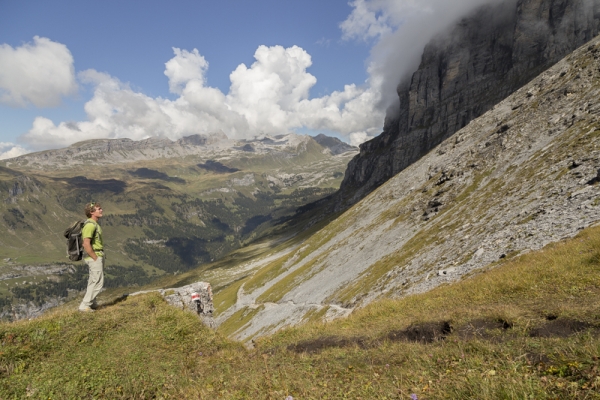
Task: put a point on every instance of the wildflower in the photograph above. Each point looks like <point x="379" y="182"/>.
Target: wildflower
<point x="414" y="397"/>
<point x="289" y="398"/>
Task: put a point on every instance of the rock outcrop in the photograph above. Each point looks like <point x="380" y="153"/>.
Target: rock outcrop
<point x="463" y="73"/>
<point x="196" y="298"/>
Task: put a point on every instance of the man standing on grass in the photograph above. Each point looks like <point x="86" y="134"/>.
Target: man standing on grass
<point x="94" y="257"/>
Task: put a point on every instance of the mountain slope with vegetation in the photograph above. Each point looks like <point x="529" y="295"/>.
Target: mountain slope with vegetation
<point x="168" y="209"/>
<point x="473" y="272"/>
<point x="528" y="328"/>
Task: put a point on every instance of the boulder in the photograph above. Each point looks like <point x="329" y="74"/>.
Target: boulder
<point x="196" y="298"/>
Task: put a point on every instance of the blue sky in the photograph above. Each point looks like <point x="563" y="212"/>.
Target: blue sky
<point x="76" y="70"/>
<point x="133" y="39"/>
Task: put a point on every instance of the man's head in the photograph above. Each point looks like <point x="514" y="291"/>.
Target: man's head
<point x="92" y="208"/>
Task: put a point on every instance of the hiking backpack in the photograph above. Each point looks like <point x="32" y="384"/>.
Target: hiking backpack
<point x="75" y="240"/>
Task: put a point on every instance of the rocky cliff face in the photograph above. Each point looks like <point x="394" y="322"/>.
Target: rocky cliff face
<point x="463" y="73"/>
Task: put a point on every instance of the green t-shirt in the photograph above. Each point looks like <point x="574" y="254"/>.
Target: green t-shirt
<point x="88" y="232"/>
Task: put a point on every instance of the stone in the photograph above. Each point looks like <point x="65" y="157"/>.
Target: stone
<point x="448" y="271"/>
<point x="580" y="192"/>
<point x="196" y="298"/>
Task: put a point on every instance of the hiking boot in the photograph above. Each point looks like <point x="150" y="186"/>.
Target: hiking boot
<point x="87" y="310"/>
<point x="94" y="306"/>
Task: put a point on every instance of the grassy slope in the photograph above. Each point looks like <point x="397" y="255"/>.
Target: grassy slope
<point x="525" y="328"/>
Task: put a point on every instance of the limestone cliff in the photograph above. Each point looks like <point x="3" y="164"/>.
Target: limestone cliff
<point x="463" y="73"/>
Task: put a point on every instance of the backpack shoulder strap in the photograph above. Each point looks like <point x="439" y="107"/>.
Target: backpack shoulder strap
<point x="87" y="221"/>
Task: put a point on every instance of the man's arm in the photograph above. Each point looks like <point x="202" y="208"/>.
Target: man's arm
<point x="87" y="246"/>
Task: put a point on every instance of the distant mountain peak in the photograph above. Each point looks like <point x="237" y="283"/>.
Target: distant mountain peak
<point x="334" y="144"/>
<point x="204" y="139"/>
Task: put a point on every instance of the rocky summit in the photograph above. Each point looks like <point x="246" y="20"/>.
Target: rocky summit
<point x="524" y="174"/>
<point x="463" y="73"/>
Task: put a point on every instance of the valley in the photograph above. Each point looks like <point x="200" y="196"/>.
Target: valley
<point x="165" y="214"/>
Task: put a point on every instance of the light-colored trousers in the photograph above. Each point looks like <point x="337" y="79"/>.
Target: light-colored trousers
<point x="95" y="281"/>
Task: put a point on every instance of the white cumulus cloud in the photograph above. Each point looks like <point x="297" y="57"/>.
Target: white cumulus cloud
<point x="401" y="29"/>
<point x="268" y="92"/>
<point x="10" y="150"/>
<point x="368" y="20"/>
<point x="269" y="97"/>
<point x="185" y="67"/>
<point x="38" y="73"/>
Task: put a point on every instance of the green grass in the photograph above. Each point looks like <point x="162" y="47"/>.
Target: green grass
<point x="227" y="297"/>
<point x="141" y="348"/>
<point x="100" y="355"/>
<point x="238" y="320"/>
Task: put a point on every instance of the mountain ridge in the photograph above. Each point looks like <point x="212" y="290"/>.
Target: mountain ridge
<point x="115" y="151"/>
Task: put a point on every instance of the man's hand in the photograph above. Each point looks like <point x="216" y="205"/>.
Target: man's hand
<point x="87" y="246"/>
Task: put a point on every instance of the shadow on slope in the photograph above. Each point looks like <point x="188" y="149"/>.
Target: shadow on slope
<point x="215" y="166"/>
<point x="148" y="173"/>
<point x="95" y="185"/>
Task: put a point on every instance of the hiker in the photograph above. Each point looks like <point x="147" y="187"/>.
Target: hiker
<point x="93" y="256"/>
